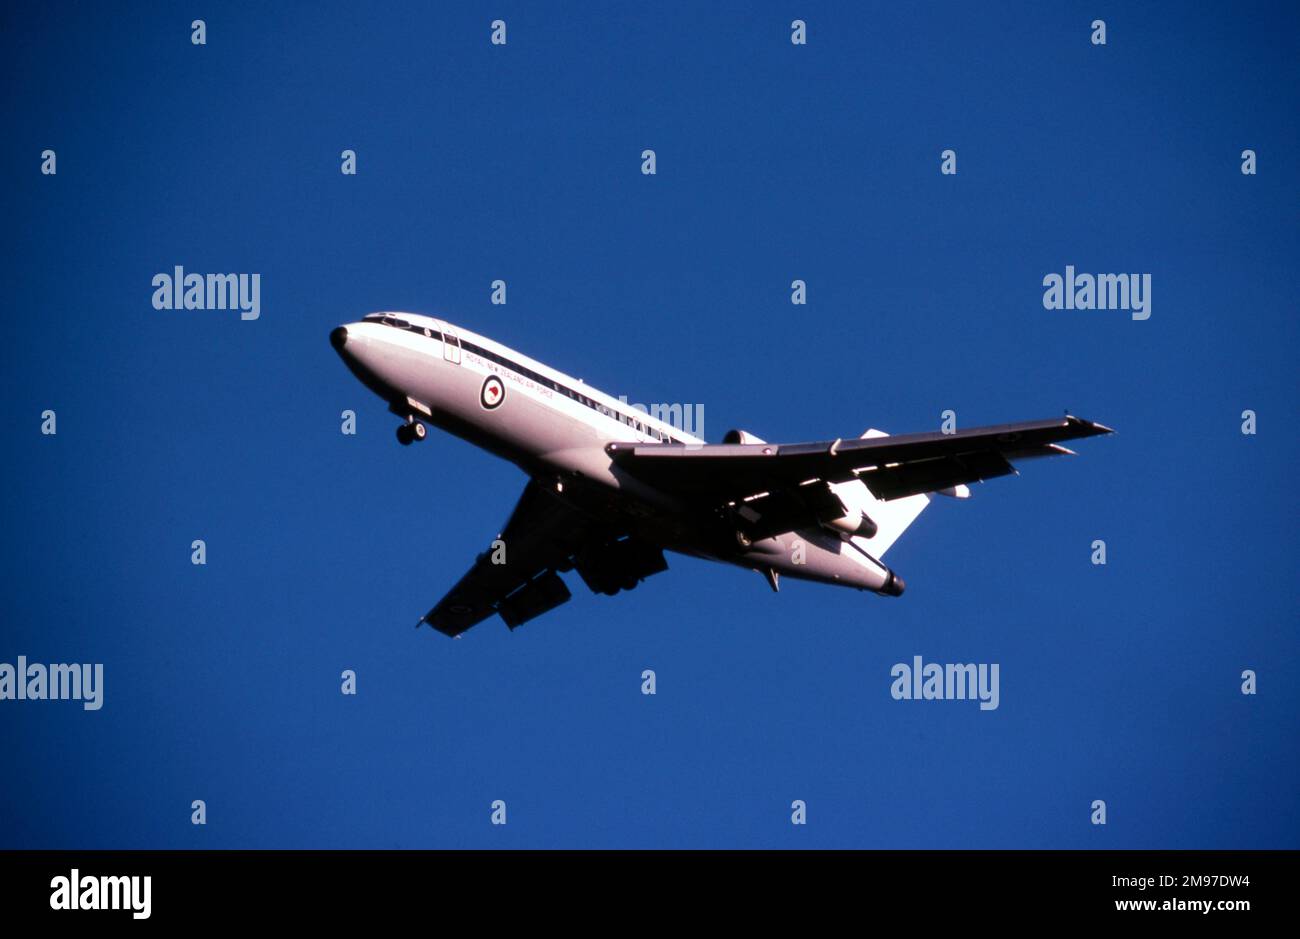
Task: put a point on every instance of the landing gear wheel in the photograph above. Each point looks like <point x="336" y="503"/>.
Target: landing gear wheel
<point x="410" y="432"/>
<point x="743" y="539"/>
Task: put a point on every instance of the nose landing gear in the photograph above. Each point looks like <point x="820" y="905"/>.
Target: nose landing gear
<point x="410" y="432"/>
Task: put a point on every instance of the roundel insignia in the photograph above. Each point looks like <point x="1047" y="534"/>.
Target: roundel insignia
<point x="492" y="393"/>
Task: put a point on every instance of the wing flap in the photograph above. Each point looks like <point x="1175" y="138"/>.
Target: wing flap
<point x="909" y="479"/>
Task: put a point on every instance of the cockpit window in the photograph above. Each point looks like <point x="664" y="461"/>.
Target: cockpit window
<point x="388" y="319"/>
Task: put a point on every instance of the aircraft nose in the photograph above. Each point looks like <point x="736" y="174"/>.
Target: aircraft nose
<point x="339" y="338"/>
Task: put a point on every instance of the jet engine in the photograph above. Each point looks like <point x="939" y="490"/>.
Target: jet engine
<point x="855" y="522"/>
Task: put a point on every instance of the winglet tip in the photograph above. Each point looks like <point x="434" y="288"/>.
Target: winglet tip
<point x="1094" y="426"/>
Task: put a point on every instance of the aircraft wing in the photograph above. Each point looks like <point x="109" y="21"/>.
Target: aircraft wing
<point x="541" y="536"/>
<point x="891" y="467"/>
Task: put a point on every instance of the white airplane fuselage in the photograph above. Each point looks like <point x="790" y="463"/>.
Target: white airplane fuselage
<point x="556" y="429"/>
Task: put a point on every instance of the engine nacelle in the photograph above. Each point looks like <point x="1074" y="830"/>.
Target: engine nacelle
<point x="741" y="436"/>
<point x="855" y="522"/>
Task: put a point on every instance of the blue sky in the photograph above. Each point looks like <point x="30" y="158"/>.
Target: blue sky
<point x="775" y="162"/>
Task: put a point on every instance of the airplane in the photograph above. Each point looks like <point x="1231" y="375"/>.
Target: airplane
<point x="611" y="488"/>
